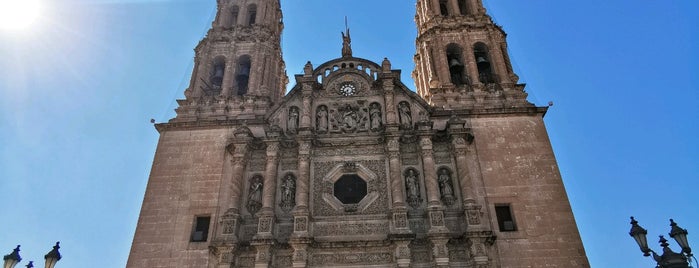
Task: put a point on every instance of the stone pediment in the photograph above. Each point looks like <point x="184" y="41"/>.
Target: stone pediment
<point x="348" y="96"/>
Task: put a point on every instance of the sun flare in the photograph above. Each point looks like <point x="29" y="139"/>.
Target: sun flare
<point x="18" y="14"/>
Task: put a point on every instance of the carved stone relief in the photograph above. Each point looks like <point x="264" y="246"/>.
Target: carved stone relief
<point x="350" y="229"/>
<point x="352" y="258"/>
<point x="349" y="117"/>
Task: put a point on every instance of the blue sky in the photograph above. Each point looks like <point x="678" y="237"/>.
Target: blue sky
<point x="78" y="89"/>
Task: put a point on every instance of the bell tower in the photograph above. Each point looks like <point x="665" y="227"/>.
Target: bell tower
<point x="461" y="58"/>
<point x="239" y="72"/>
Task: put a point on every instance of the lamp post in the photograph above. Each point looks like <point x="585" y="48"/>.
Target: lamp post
<point x="12" y="259"/>
<point x="668" y="259"/>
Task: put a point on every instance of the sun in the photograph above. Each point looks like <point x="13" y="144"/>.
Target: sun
<point x="18" y="14"/>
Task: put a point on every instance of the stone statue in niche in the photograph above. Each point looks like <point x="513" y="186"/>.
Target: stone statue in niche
<point x="293" y="124"/>
<point x="288" y="191"/>
<point x="255" y="195"/>
<point x="322" y="119"/>
<point x="446" y="187"/>
<point x="406" y="119"/>
<point x="375" y="115"/>
<point x="412" y="188"/>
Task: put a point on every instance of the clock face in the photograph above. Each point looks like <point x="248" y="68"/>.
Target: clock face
<point x="348" y="89"/>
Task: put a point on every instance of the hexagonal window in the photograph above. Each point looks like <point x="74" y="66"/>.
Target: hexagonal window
<point x="350" y="189"/>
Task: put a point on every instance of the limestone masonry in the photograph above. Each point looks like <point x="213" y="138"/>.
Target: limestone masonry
<point x="351" y="168"/>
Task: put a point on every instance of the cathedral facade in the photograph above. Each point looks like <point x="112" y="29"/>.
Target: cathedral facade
<point x="351" y="168"/>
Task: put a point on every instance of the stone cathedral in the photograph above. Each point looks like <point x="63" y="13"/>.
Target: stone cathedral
<point x="351" y="168"/>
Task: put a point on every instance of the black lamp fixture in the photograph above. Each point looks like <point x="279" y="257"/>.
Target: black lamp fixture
<point x="668" y="259"/>
<point x="12" y="259"/>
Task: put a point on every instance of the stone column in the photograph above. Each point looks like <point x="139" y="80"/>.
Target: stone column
<point x="229" y="73"/>
<point x="269" y="188"/>
<point x="460" y="151"/>
<point x="400" y="210"/>
<point x="455" y="11"/>
<point x="435" y="7"/>
<point x="471" y="66"/>
<point x="428" y="165"/>
<point x="498" y="60"/>
<point x="301" y="220"/>
<point x="396" y="178"/>
<point x="231" y="191"/>
<point x="300" y="237"/>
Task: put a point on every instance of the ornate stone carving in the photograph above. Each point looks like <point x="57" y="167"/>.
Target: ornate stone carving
<point x="301" y="224"/>
<point x="412" y="188"/>
<point x="288" y="193"/>
<point x="346" y="117"/>
<point x="349" y="229"/>
<point x="265" y="225"/>
<point x="437" y="218"/>
<point x="255" y="194"/>
<point x="364" y="150"/>
<point x="473" y="214"/>
<point x="246" y="262"/>
<point x="352" y="258"/>
<point x="405" y="115"/>
<point x="289" y="163"/>
<point x="446" y="187"/>
<point x="283" y="261"/>
<point x="229" y="221"/>
<point x="376" y="201"/>
<point x="400" y="220"/>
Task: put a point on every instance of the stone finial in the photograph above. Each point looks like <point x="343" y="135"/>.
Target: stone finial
<point x="308" y="69"/>
<point x="386" y="66"/>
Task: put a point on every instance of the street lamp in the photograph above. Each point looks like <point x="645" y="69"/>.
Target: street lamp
<point x="12" y="259"/>
<point x="668" y="259"/>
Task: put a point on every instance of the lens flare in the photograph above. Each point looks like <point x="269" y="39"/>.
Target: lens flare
<point x="18" y="14"/>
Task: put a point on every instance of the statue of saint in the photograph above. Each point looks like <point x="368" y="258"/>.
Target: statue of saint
<point x="412" y="189"/>
<point x="404" y="115"/>
<point x="293" y="123"/>
<point x="255" y="195"/>
<point x="446" y="187"/>
<point x="375" y="115"/>
<point x="322" y="119"/>
<point x="445" y="183"/>
<point x="288" y="193"/>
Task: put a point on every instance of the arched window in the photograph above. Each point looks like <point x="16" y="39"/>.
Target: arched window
<point x="234" y="16"/>
<point x="443" y="7"/>
<point x="485" y="71"/>
<point x="252" y="14"/>
<point x="463" y="7"/>
<point x="243" y="75"/>
<point x="218" y="69"/>
<point x="456" y="65"/>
